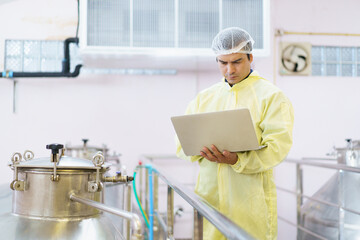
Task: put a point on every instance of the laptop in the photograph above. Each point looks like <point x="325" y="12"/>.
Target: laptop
<point x="231" y="130"/>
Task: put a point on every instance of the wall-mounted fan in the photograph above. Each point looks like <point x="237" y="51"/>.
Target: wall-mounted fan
<point x="295" y="58"/>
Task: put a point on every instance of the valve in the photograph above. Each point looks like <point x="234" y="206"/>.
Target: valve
<point x="118" y="178"/>
<point x="349" y="143"/>
<point x="85" y="140"/>
<point x="54" y="158"/>
<point x="55" y="148"/>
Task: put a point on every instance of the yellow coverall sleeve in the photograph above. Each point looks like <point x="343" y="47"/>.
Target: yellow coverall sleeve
<point x="276" y="123"/>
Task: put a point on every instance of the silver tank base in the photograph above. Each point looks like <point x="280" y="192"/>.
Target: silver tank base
<point x="324" y="219"/>
<point x="5" y="198"/>
<point x="17" y="227"/>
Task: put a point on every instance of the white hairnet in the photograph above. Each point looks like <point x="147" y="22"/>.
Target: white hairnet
<point x="232" y="40"/>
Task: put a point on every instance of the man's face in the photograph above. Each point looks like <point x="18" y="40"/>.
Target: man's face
<point x="235" y="66"/>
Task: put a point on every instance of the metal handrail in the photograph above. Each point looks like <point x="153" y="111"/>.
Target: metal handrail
<point x="320" y="158"/>
<point x="299" y="191"/>
<point x="228" y="228"/>
<point x="324" y="165"/>
<point x="319" y="201"/>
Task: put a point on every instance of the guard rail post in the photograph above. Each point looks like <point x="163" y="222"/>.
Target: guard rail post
<point x="299" y="194"/>
<point x="170" y="213"/>
<point x="198" y="225"/>
<point x="341" y="205"/>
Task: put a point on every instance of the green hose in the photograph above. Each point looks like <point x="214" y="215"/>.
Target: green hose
<point x="138" y="202"/>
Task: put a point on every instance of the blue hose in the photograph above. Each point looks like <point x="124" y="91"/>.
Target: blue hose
<point x="150" y="223"/>
<point x="151" y="203"/>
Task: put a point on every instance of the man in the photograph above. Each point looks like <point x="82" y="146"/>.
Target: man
<point x="241" y="184"/>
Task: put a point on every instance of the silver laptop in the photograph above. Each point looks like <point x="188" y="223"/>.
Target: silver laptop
<point x="231" y="130"/>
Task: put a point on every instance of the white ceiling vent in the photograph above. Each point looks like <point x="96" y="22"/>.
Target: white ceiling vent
<point x="169" y="34"/>
<point x="134" y="26"/>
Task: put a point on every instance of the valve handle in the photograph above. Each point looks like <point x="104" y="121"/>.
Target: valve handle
<point x="85" y="140"/>
<point x="55" y="147"/>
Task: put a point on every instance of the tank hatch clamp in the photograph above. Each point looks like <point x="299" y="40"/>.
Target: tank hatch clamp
<point x="98" y="160"/>
<point x="16" y="184"/>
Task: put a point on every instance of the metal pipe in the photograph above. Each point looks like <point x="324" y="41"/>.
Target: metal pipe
<point x="118" y="178"/>
<point x="170" y="212"/>
<point x="66" y="60"/>
<point x="323" y="34"/>
<point x="134" y="218"/>
<point x="228" y="228"/>
<point x="198" y="226"/>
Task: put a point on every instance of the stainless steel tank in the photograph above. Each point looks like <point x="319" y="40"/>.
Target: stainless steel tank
<point x="5" y="198"/>
<point x="349" y="155"/>
<point x="343" y="187"/>
<point x="62" y="198"/>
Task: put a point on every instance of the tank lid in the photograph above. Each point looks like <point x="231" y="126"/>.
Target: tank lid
<point x="351" y="145"/>
<point x="86" y="147"/>
<point x="347" y="149"/>
<point x="65" y="162"/>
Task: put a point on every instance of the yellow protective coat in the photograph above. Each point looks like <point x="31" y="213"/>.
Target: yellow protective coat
<point x="245" y="192"/>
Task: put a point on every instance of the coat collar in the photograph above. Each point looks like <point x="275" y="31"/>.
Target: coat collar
<point x="254" y="76"/>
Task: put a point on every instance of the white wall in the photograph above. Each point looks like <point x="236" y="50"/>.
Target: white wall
<point x="131" y="113"/>
<point x="325" y="107"/>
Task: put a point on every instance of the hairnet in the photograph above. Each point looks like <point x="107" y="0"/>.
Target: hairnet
<point x="232" y="40"/>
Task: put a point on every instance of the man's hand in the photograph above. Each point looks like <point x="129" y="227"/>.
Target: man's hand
<point x="215" y="156"/>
